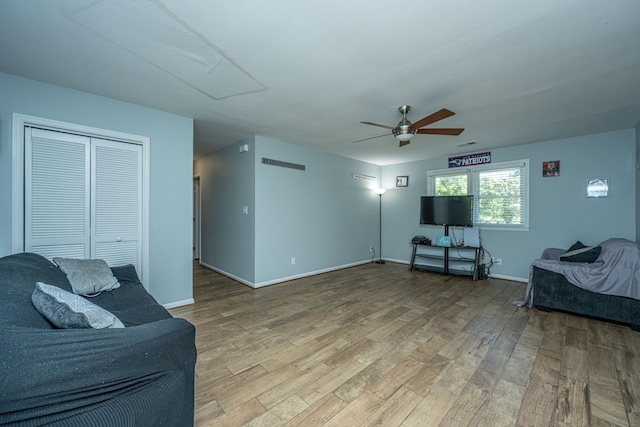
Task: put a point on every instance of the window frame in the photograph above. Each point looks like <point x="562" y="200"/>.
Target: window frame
<point x="471" y="172"/>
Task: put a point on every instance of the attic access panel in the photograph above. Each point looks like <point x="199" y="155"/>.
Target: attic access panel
<point x="155" y="35"/>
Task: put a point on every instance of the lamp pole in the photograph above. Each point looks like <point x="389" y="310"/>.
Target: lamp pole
<point x="380" y="191"/>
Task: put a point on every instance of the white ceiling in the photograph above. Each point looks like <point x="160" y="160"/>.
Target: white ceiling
<point x="308" y="72"/>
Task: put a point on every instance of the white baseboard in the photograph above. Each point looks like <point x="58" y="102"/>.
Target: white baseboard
<point x="494" y="276"/>
<point x="282" y="279"/>
<point x="229" y="275"/>
<point x="326" y="270"/>
<point x="178" y="303"/>
<point x="512" y="278"/>
<point x="397" y="261"/>
<point x="309" y="273"/>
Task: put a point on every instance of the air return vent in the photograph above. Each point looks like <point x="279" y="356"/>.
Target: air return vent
<point x="282" y="164"/>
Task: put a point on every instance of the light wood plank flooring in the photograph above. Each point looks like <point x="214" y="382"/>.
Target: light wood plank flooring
<point x="379" y="345"/>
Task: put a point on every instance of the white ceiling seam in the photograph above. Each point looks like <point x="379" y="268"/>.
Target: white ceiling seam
<point x="151" y="33"/>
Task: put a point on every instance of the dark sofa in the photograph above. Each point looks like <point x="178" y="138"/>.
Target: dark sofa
<point x="139" y="375"/>
<point x="554" y="292"/>
<point x="600" y="281"/>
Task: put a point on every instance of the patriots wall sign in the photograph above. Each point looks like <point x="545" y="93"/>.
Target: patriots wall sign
<point x="470" y="160"/>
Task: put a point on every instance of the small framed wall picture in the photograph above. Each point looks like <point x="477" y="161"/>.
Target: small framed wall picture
<point x="402" y="181"/>
<point x="551" y="168"/>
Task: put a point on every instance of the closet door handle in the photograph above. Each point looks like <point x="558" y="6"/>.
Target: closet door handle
<point x="118" y="239"/>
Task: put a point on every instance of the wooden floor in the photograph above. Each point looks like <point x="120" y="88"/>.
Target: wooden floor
<point x="379" y="345"/>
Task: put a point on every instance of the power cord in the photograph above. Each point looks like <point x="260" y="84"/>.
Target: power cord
<point x="490" y="264"/>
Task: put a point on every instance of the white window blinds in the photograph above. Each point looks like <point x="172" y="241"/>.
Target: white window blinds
<point x="500" y="190"/>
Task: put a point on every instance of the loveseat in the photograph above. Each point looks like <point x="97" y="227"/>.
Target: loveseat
<point x="141" y="374"/>
<point x="601" y="281"/>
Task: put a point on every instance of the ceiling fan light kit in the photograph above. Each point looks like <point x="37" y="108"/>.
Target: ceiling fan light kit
<point x="405" y="130"/>
<point x="403" y="133"/>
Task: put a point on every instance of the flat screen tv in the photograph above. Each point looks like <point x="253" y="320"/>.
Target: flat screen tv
<point x="447" y="210"/>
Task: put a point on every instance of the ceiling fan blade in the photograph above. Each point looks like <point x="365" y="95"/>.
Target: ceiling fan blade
<point x="403" y="143"/>
<point x="376" y="124"/>
<point x="438" y="115"/>
<point x="373" y="137"/>
<point x="441" y="131"/>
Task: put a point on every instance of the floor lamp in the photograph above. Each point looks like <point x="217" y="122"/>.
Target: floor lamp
<point x="380" y="191"/>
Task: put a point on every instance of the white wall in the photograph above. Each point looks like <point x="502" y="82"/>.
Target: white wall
<point x="171" y="157"/>
<point x="560" y="213"/>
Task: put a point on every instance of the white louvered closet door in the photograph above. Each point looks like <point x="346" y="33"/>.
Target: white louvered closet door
<point x="83" y="197"/>
<point x="116" y="219"/>
<point x="57" y="179"/>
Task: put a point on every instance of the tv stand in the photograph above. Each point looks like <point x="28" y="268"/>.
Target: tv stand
<point x="440" y="258"/>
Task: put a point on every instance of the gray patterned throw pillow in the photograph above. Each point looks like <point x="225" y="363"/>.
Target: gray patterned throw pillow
<point x="67" y="310"/>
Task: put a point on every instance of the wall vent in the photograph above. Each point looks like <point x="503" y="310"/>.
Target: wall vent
<point x="282" y="164"/>
<point x="466" y="143"/>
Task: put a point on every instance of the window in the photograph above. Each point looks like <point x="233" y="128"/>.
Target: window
<point x="500" y="190"/>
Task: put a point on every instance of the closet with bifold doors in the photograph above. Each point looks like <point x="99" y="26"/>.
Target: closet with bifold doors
<point x="82" y="197"/>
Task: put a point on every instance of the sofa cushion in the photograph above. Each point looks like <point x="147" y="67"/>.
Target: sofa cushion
<point x="88" y="276"/>
<point x="131" y="302"/>
<point x="67" y="310"/>
<point x="584" y="254"/>
<point x="18" y="276"/>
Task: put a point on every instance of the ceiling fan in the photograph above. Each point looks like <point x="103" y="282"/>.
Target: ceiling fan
<point x="405" y="130"/>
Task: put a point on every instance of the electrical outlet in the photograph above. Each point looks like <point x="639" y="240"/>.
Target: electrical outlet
<point x="497" y="261"/>
<point x="293" y="261"/>
<point x="370" y="248"/>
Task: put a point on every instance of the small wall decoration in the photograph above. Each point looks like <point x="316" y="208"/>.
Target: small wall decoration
<point x="551" y="168"/>
<point x="597" y="187"/>
<point x="402" y="181"/>
<point x="470" y="160"/>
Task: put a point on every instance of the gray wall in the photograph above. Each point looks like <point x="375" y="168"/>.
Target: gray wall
<point x="326" y="219"/>
<point x="559" y="212"/>
<point x="171" y="156"/>
<point x="637" y="154"/>
<point x="227" y="183"/>
<point x="321" y="216"/>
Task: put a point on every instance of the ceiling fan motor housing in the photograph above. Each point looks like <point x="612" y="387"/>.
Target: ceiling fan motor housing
<point x="403" y="131"/>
